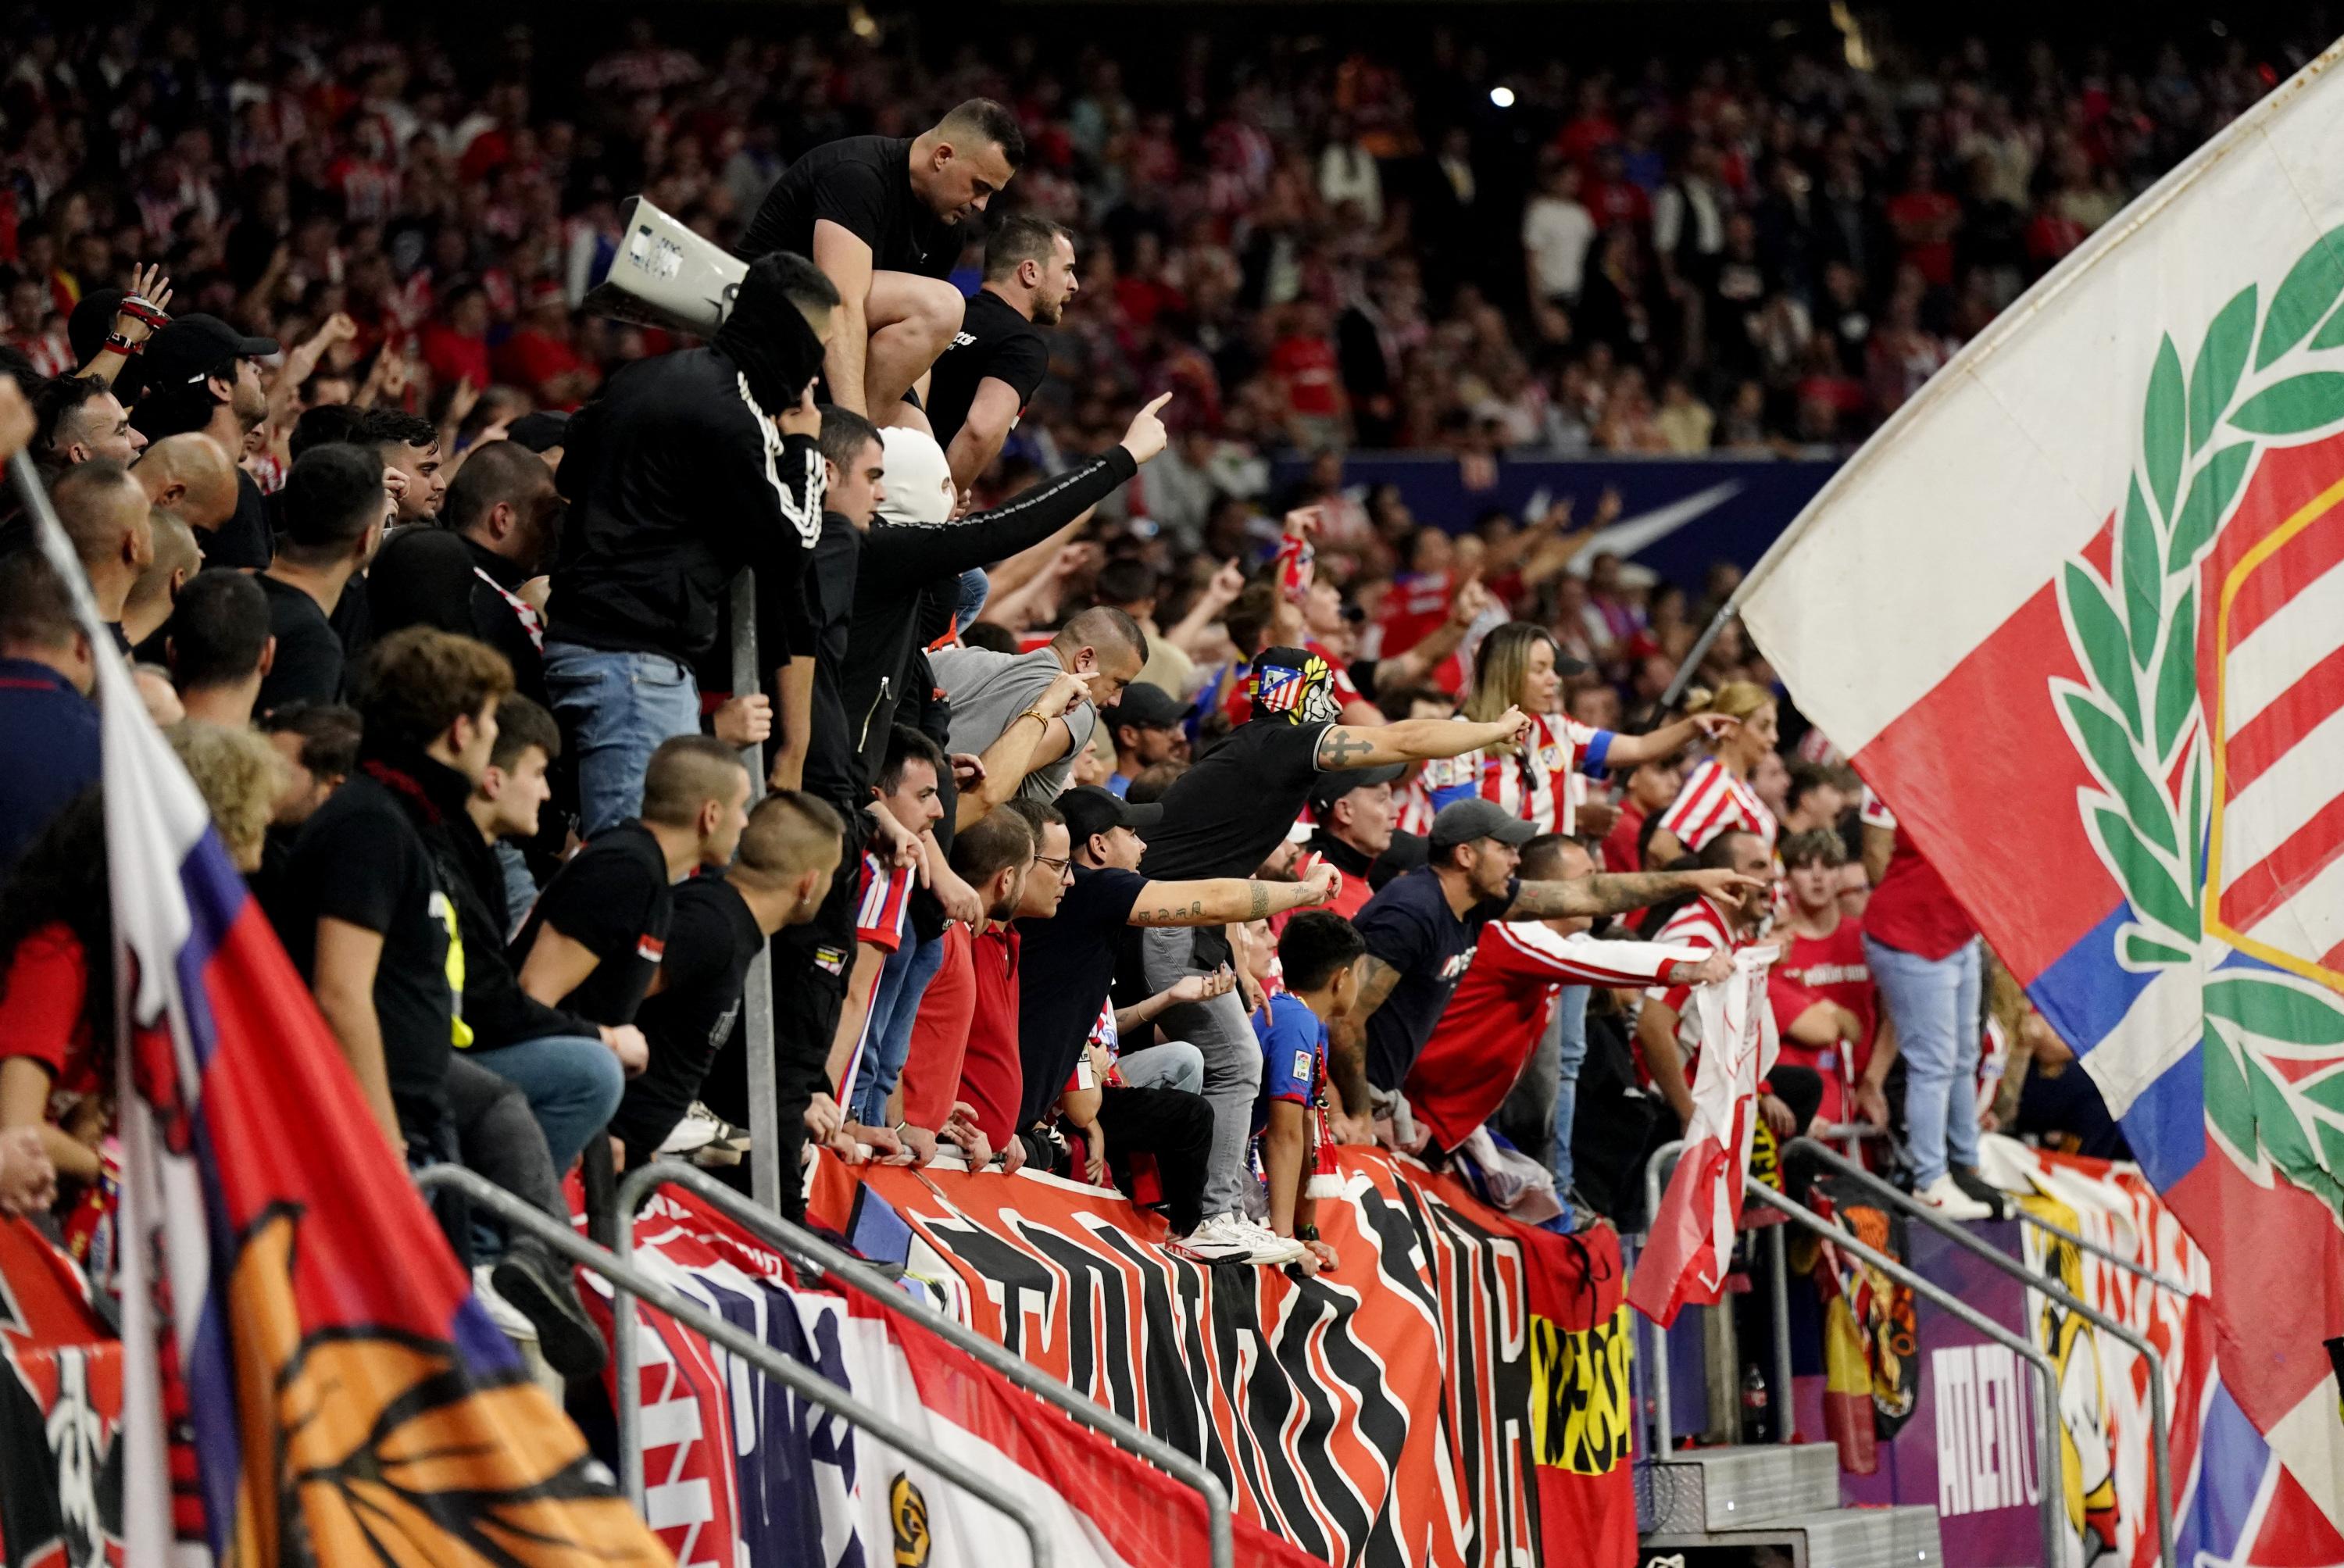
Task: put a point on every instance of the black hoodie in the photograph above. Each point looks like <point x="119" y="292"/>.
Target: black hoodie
<point x="676" y="481"/>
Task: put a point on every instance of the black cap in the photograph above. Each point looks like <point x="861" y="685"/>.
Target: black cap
<point x="1146" y="706"/>
<point x="1089" y="809"/>
<point x="1328" y="788"/>
<point x="539" y="432"/>
<point x="192" y="348"/>
<point x="1463" y="821"/>
<point x="91" y="320"/>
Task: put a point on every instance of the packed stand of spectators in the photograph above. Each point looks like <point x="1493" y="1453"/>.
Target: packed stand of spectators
<point x="1071" y="846"/>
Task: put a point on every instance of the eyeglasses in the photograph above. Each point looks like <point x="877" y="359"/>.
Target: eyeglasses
<point x="1057" y="867"/>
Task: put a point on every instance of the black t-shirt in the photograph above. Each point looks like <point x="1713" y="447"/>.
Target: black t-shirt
<point x="1064" y="965"/>
<point x="1224" y="817"/>
<point x="994" y="341"/>
<point x="1410" y="926"/>
<point x="359" y="859"/>
<point x="863" y="184"/>
<point x="612" y="899"/>
<point x="712" y="939"/>
<point x="308" y="667"/>
<point x="246" y="540"/>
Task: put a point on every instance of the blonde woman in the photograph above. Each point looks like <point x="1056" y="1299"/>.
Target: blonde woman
<point x="1717" y="795"/>
<point x="1520" y="665"/>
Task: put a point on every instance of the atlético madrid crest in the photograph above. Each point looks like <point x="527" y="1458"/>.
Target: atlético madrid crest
<point x="2211" y="713"/>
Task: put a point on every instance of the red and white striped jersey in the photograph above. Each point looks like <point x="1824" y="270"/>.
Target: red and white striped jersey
<point x="1414" y="806"/>
<point x="1703" y="926"/>
<point x="1714" y="801"/>
<point x="1500" y="1009"/>
<point x="886" y="893"/>
<point x="1535" y="784"/>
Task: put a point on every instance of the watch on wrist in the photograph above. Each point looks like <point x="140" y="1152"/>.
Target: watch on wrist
<point x="1305" y="1233"/>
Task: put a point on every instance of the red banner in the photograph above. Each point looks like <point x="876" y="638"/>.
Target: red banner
<point x="1455" y="1394"/>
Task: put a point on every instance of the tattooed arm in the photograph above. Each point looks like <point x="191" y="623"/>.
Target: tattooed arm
<point x="1344" y="746"/>
<point x="1614" y="894"/>
<point x="1220" y="900"/>
<point x="1346" y="1037"/>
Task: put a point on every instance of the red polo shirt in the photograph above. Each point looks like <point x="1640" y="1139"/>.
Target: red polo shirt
<point x="991" y="1075"/>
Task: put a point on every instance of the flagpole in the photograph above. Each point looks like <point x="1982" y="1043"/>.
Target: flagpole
<point x="146" y="1531"/>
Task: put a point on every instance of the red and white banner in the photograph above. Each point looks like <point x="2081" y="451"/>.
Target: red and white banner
<point x="1692" y="1235"/>
<point x="1454" y="1395"/>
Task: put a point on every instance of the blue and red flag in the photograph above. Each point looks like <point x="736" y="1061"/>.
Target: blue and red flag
<point x="2076" y="614"/>
<point x="305" y="1376"/>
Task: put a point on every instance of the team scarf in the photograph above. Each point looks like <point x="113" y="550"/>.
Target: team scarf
<point x="1293" y="685"/>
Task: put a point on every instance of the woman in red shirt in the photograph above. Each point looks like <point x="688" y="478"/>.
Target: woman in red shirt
<point x="1924" y="956"/>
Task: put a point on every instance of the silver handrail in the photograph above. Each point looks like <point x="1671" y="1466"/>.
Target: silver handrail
<point x="2083" y="1244"/>
<point x="2161" y="1430"/>
<point x="1779" y="1263"/>
<point x="820" y="1259"/>
<point x="765" y="1173"/>
<point x="627" y="1281"/>
<point x="2053" y="1484"/>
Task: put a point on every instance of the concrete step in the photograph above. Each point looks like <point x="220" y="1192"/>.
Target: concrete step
<point x="1703" y="1491"/>
<point x="1836" y="1538"/>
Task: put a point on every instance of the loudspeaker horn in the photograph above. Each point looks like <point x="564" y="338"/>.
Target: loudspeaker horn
<point x="664" y="275"/>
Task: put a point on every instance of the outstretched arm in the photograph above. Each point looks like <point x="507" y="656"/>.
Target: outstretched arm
<point x="1217" y="901"/>
<point x="1618" y="893"/>
<point x="1345" y="746"/>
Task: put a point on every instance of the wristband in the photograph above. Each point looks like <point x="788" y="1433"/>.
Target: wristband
<point x="1305" y="1233"/>
<point x="140" y="309"/>
<point x="1036" y="715"/>
<point x="123" y="346"/>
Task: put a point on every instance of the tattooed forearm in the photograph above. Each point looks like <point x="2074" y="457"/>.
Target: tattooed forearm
<point x="1602" y="895"/>
<point x="1260" y="906"/>
<point x="1342" y="749"/>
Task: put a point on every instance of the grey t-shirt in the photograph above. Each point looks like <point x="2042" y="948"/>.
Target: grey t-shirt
<point x="988" y="690"/>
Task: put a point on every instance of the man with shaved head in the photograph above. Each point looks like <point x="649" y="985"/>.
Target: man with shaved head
<point x="104" y="515"/>
<point x="175" y="559"/>
<point x="192" y="476"/>
<point x="884" y="218"/>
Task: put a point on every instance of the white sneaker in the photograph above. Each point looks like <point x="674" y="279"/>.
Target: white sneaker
<point x="1947" y="1198"/>
<point x="1232" y="1238"/>
<point x="1269" y="1247"/>
<point x="698" y="1129"/>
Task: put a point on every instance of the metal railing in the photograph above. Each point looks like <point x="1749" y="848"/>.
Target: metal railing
<point x="2161" y="1430"/>
<point x="1778" y="1265"/>
<point x="629" y="1282"/>
<point x="2108" y="1254"/>
<point x="819" y="1258"/>
<point x="2051" y="1479"/>
<point x="765" y="1172"/>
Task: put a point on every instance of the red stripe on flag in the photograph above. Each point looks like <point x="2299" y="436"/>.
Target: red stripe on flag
<point x="2300" y="562"/>
<point x="2277" y="877"/>
<point x="2273" y="732"/>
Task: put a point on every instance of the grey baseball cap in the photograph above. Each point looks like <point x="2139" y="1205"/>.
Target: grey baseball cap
<point x="1462" y="822"/>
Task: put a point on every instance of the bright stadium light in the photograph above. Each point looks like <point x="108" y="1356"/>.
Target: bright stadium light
<point x="1503" y="96"/>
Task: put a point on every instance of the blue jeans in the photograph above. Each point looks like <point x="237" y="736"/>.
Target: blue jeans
<point x="1570" y="1027"/>
<point x="1174" y="1065"/>
<point x="615" y="710"/>
<point x="888" y="1035"/>
<point x="572" y="1084"/>
<point x="1934" y="1003"/>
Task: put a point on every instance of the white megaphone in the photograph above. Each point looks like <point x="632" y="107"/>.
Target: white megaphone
<point x="664" y="275"/>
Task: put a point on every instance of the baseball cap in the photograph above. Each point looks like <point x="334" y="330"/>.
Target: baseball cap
<point x="1150" y="707"/>
<point x="1089" y="809"/>
<point x="193" y="346"/>
<point x="537" y="432"/>
<point x="1328" y="788"/>
<point x="1462" y="822"/>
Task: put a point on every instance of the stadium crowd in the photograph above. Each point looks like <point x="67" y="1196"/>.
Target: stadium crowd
<point x="1098" y="812"/>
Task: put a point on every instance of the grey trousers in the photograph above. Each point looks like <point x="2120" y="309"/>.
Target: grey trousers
<point x="1220" y="1030"/>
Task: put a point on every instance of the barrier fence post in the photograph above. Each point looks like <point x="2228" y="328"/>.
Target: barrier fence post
<point x="819" y="1258"/>
<point x="757" y="994"/>
<point x="627" y="1281"/>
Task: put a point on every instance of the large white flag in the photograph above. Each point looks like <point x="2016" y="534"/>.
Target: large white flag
<point x="2077" y="615"/>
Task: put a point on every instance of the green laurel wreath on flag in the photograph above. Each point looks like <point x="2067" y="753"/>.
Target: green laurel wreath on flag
<point x="2137" y="724"/>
